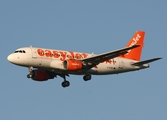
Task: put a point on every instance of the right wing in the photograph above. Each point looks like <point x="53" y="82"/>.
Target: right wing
<point x="95" y="60"/>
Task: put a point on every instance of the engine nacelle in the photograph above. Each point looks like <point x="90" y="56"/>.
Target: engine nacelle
<point x="72" y="65"/>
<point x="41" y="75"/>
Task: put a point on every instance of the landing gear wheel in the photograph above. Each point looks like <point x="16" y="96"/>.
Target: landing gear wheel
<point x="29" y="76"/>
<point x="31" y="72"/>
<point x="65" y="84"/>
<point x="87" y="77"/>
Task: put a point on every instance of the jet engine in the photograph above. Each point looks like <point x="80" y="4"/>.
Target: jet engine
<point x="41" y="75"/>
<point x="72" y="65"/>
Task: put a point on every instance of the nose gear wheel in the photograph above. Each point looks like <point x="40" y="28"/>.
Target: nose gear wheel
<point x="31" y="72"/>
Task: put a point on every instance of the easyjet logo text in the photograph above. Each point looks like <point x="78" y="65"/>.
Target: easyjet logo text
<point x="134" y="41"/>
<point x="61" y="54"/>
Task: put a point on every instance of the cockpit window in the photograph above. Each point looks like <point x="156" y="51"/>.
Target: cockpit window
<point x="19" y="51"/>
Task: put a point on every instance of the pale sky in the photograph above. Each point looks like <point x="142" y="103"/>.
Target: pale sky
<point x="86" y="26"/>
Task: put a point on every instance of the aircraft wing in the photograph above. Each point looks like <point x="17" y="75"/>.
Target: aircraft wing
<point x="95" y="60"/>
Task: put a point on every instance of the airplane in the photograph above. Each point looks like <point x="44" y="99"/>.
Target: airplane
<point x="44" y="64"/>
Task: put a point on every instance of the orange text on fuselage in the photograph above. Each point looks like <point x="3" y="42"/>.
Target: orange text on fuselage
<point x="62" y="55"/>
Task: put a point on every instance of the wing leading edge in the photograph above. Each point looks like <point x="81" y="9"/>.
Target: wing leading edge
<point x="95" y="60"/>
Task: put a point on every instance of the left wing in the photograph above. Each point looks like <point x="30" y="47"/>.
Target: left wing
<point x="95" y="60"/>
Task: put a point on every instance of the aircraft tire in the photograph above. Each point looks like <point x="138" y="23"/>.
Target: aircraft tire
<point x="87" y="77"/>
<point x="65" y="84"/>
<point x="29" y="76"/>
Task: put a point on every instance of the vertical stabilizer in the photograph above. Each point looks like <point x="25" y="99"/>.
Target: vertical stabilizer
<point x="135" y="54"/>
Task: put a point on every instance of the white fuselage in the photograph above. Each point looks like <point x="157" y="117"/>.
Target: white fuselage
<point x="52" y="60"/>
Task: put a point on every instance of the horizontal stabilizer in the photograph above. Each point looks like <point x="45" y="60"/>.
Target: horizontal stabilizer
<point x="145" y="61"/>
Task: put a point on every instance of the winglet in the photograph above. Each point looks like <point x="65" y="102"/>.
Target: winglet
<point x="135" y="54"/>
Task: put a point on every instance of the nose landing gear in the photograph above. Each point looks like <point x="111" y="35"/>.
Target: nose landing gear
<point x="29" y="76"/>
<point x="31" y="72"/>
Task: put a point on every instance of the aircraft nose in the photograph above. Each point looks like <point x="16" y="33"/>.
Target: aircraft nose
<point x="10" y="58"/>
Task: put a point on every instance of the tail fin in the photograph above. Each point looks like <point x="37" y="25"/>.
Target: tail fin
<point x="135" y="54"/>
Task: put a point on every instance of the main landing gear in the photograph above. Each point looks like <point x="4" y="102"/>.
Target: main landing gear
<point x="87" y="77"/>
<point x="65" y="83"/>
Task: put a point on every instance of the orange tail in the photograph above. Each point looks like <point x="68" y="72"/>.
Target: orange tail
<point x="135" y="53"/>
